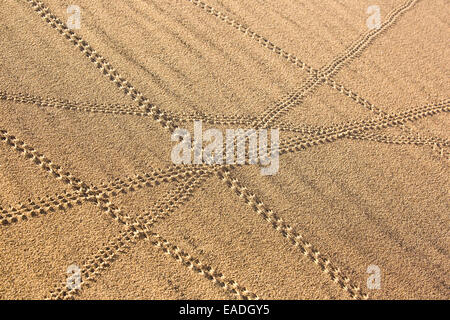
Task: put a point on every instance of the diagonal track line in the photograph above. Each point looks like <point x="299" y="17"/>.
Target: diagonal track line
<point x="253" y="35"/>
<point x="102" y="64"/>
<point x="42" y="161"/>
<point x="325" y="74"/>
<point x="306" y="248"/>
<point x="317" y="77"/>
<point x="331" y="134"/>
<point x="131" y="110"/>
<point x="138" y="229"/>
<point x="365" y="40"/>
<point x="68" y="199"/>
<point x="358" y="130"/>
<point x="156" y="113"/>
<point x="347" y="130"/>
<point x="100" y="198"/>
<point x="120" y="109"/>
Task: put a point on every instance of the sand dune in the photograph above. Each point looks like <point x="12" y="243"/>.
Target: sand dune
<point x="87" y="178"/>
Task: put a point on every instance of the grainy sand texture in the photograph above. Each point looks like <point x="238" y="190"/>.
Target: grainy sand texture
<point x="92" y="205"/>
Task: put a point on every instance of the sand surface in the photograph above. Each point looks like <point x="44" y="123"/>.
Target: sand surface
<point x="86" y="176"/>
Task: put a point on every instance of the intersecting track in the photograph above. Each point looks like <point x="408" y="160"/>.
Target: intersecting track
<point x="189" y="178"/>
<point x="306" y="130"/>
<point x="354" y="129"/>
<point x="358" y="130"/>
<point x="135" y="228"/>
<point x="140" y="228"/>
<point x="316" y="77"/>
<point x="324" y="75"/>
<point x="120" y="109"/>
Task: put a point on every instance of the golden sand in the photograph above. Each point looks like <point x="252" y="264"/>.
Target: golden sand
<point x="86" y="176"/>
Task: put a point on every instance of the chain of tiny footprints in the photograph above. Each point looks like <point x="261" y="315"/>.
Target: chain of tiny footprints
<point x="317" y="77"/>
<point x="292" y="235"/>
<point x="103" y="65"/>
<point x="83" y="192"/>
<point x="130" y="110"/>
<point x="140" y="229"/>
<point x="122" y="109"/>
<point x="84" y="47"/>
<point x="141" y="180"/>
<point x="356" y="49"/>
<point x="138" y="97"/>
<point x="359" y="127"/>
<point x="66" y="200"/>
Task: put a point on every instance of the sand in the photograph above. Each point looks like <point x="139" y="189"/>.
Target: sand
<point x="86" y="176"/>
